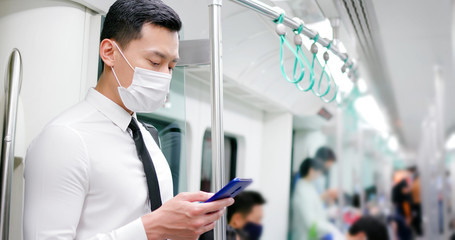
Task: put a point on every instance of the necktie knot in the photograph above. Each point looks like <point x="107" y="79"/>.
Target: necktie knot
<point x="133" y="125"/>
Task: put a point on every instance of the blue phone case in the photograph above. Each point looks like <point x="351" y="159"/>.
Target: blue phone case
<point x="231" y="189"/>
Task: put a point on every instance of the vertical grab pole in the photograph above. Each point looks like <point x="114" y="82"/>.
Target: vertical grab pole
<point x="12" y="90"/>
<point x="216" y="77"/>
<point x="339" y="147"/>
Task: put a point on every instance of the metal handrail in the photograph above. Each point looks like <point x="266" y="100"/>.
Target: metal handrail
<point x="273" y="13"/>
<point x="216" y="96"/>
<point x="13" y="84"/>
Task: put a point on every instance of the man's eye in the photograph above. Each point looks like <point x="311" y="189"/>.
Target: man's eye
<point x="154" y="63"/>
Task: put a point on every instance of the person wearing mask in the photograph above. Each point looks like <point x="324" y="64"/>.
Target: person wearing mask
<point x="309" y="218"/>
<point x="246" y="214"/>
<point x="368" y="228"/>
<point x="94" y="172"/>
<point x="326" y="157"/>
<point x="244" y="217"/>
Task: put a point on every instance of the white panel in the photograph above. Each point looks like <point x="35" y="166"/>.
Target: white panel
<point x="58" y="42"/>
<point x="275" y="170"/>
<point x="240" y="120"/>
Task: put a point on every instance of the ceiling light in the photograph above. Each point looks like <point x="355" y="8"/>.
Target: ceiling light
<point x="369" y="110"/>
<point x="362" y="85"/>
<point x="450" y="144"/>
<point x="393" y="143"/>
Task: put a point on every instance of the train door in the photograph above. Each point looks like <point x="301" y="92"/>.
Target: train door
<point x="230" y="156"/>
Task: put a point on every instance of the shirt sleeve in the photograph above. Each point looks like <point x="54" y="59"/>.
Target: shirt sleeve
<point x="56" y="182"/>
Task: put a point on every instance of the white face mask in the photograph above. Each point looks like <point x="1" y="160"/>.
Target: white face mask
<point x="319" y="183"/>
<point x="147" y="91"/>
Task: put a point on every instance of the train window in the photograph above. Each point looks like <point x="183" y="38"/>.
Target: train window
<point x="230" y="156"/>
<point x="171" y="137"/>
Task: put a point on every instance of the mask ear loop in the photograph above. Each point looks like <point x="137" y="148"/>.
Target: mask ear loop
<point x="123" y="55"/>
<point x="298" y="42"/>
<point x="281" y="31"/>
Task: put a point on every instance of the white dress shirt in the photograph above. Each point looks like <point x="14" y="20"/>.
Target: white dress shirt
<point x="83" y="177"/>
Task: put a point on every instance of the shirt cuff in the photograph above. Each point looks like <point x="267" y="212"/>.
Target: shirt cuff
<point x="133" y="230"/>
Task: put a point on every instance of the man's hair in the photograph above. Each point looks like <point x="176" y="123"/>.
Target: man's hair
<point x="373" y="228"/>
<point x="244" y="203"/>
<point x="125" y="19"/>
<point x="306" y="165"/>
<point x="325" y="154"/>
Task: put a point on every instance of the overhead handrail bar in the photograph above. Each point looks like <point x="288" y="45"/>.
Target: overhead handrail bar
<point x="274" y="13"/>
<point x="13" y="84"/>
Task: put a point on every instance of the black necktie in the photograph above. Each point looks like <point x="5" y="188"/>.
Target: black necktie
<point x="149" y="168"/>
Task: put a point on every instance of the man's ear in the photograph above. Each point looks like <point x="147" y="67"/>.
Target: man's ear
<point x="236" y="220"/>
<point x="107" y="52"/>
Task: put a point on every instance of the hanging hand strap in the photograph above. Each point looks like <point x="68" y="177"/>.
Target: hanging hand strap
<point x="324" y="74"/>
<point x="298" y="42"/>
<point x="281" y="31"/>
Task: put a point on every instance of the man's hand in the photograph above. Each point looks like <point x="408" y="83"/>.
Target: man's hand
<point x="184" y="217"/>
<point x="329" y="195"/>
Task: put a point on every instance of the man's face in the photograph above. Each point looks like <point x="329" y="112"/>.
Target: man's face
<point x="328" y="164"/>
<point x="358" y="236"/>
<point x="239" y="220"/>
<point x="156" y="50"/>
<point x="255" y="215"/>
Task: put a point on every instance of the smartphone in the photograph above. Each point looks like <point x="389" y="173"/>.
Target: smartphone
<point x="231" y="189"/>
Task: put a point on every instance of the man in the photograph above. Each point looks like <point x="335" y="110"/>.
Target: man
<point x="245" y="215"/>
<point x="244" y="218"/>
<point x="308" y="216"/>
<point x="94" y="172"/>
<point x="326" y="157"/>
<point x="368" y="228"/>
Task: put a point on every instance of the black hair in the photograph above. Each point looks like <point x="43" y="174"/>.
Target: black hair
<point x="325" y="154"/>
<point x="125" y="19"/>
<point x="244" y="203"/>
<point x="373" y="228"/>
<point x="306" y="165"/>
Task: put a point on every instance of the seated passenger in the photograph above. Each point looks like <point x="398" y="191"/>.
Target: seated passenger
<point x="244" y="218"/>
<point x="309" y="218"/>
<point x="368" y="228"/>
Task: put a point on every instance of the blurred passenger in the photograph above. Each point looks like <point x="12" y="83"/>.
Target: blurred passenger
<point x="245" y="215"/>
<point x="326" y="157"/>
<point x="244" y="218"/>
<point x="452" y="228"/>
<point x="416" y="202"/>
<point x="401" y="230"/>
<point x="309" y="218"/>
<point x="401" y="197"/>
<point x="401" y="220"/>
<point x="368" y="228"/>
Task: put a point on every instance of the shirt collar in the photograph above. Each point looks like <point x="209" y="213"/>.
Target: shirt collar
<point x="110" y="109"/>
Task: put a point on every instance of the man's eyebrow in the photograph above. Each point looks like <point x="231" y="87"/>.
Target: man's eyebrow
<point x="162" y="55"/>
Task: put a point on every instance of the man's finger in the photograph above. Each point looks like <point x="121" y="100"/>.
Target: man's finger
<point x="195" y="196"/>
<point x="212" y="217"/>
<point x="216" y="205"/>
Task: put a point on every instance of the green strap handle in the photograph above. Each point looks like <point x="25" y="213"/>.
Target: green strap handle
<point x="323" y="73"/>
<point x="301" y="55"/>
<point x="328" y="78"/>
<point x="284" y="41"/>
